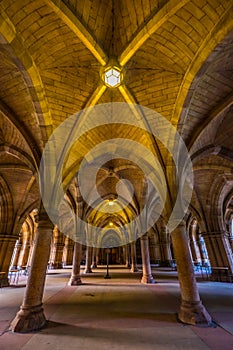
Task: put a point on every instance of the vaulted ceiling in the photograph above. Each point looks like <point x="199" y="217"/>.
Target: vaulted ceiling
<point x="176" y="60"/>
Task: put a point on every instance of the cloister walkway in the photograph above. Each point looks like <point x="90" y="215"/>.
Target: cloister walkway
<point x="118" y="313"/>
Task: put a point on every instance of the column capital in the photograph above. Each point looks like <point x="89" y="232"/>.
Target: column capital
<point x="42" y="217"/>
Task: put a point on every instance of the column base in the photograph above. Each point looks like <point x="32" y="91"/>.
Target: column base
<point x="28" y="319"/>
<point x="134" y="269"/>
<point x="56" y="266"/>
<point x="148" y="279"/>
<point x="74" y="281"/>
<point x="194" y="313"/>
<point x="87" y="270"/>
<point x="94" y="266"/>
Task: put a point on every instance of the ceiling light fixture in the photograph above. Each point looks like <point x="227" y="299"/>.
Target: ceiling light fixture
<point x="112" y="74"/>
<point x="112" y="77"/>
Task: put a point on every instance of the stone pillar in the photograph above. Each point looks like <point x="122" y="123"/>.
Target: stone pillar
<point x="191" y="311"/>
<point x="165" y="246"/>
<point x="231" y="242"/>
<point x="219" y="249"/>
<point x="68" y="251"/>
<point x="126" y="255"/>
<point x="17" y="250"/>
<point x="23" y="258"/>
<point x="30" y="255"/>
<point x="75" y="278"/>
<point x="93" y="264"/>
<point x="134" y="267"/>
<point x="203" y="255"/>
<point x="88" y="260"/>
<point x="97" y="256"/>
<point x="152" y="247"/>
<point x="195" y="251"/>
<point x="157" y="249"/>
<point x="31" y="315"/>
<point x="7" y="245"/>
<point x="57" y="247"/>
<point x="146" y="268"/>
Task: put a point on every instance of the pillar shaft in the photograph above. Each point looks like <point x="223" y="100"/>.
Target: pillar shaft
<point x="17" y="250"/>
<point x="88" y="260"/>
<point x="23" y="256"/>
<point x="201" y="246"/>
<point x="31" y="315"/>
<point x="126" y="255"/>
<point x="68" y="251"/>
<point x="57" y="247"/>
<point x="134" y="267"/>
<point x="191" y="311"/>
<point x="165" y="246"/>
<point x="75" y="278"/>
<point x="7" y="244"/>
<point x="97" y="256"/>
<point x="194" y="251"/>
<point x="146" y="268"/>
<point x="93" y="264"/>
<point x="231" y="242"/>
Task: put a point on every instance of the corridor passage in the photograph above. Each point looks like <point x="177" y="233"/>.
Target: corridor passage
<point x="118" y="313"/>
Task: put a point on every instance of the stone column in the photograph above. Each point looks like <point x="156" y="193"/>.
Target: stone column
<point x="195" y="251"/>
<point x="7" y="245"/>
<point x="191" y="311"/>
<point x="93" y="264"/>
<point x="97" y="256"/>
<point x="152" y="247"/>
<point x="165" y="246"/>
<point x="17" y="250"/>
<point x="68" y="251"/>
<point x="75" y="278"/>
<point x="30" y="255"/>
<point x="219" y="249"/>
<point x="157" y="249"/>
<point x="146" y="268"/>
<point x="24" y="253"/>
<point x="57" y="247"/>
<point x="134" y="267"/>
<point x="231" y="242"/>
<point x="126" y="256"/>
<point x="31" y="315"/>
<point x="88" y="260"/>
<point x="201" y="246"/>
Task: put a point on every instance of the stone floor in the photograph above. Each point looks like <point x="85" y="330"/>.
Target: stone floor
<point x="118" y="313"/>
